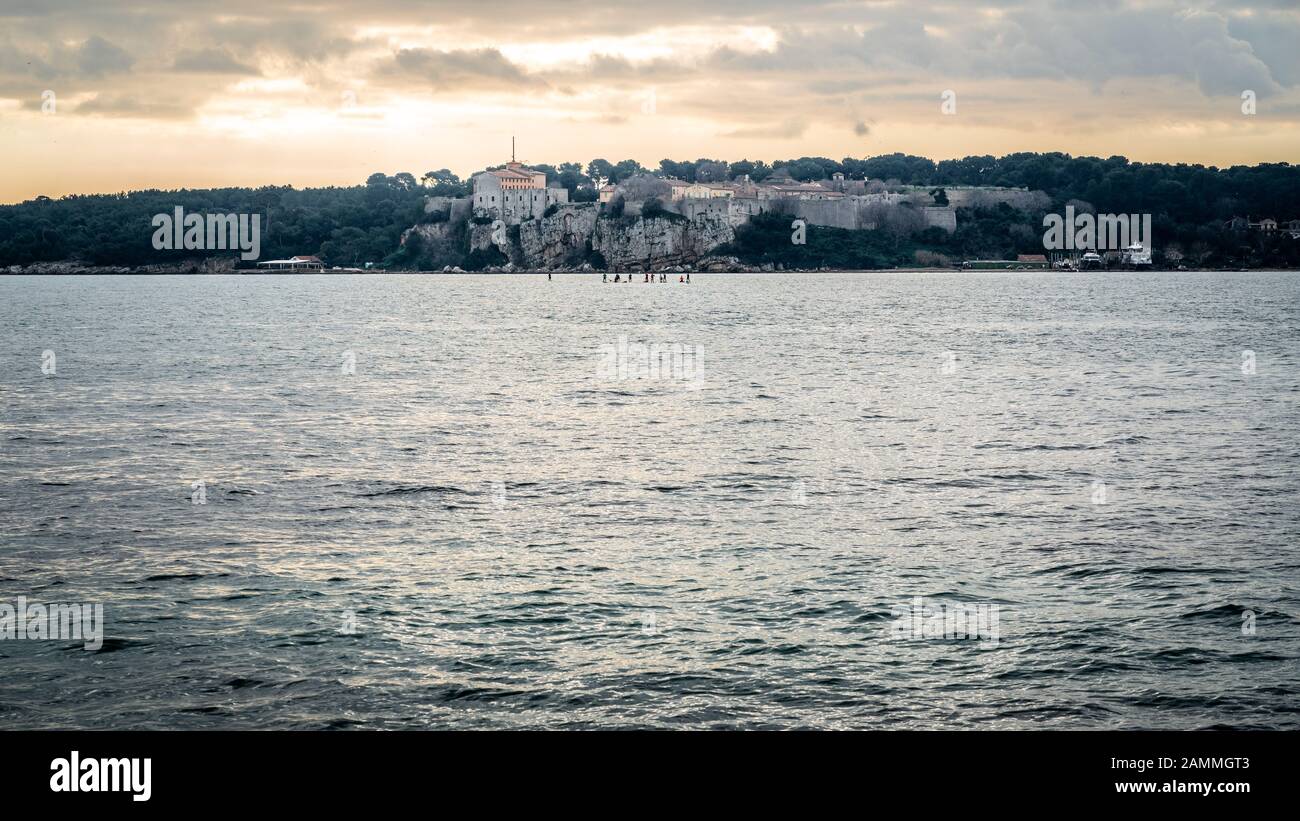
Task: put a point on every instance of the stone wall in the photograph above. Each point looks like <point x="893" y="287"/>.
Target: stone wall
<point x="938" y="216"/>
<point x="457" y="207"/>
<point x="855" y="213"/>
<point x="845" y="213"/>
<point x="968" y="196"/>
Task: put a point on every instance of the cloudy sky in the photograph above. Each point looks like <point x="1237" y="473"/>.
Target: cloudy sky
<point x="111" y="95"/>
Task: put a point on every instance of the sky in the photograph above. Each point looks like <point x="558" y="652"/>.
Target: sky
<point x="107" y="95"/>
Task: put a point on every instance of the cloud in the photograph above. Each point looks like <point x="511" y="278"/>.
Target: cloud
<point x="211" y="61"/>
<point x="136" y="107"/>
<point x="786" y="130"/>
<point x="461" y="71"/>
<point x="1030" y="74"/>
<point x="97" y="57"/>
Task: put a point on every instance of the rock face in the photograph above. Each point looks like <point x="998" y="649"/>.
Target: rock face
<point x="558" y="240"/>
<point x="651" y="243"/>
<point x="440" y="238"/>
<point x="573" y="233"/>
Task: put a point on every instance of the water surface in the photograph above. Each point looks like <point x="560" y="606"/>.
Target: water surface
<point x="479" y="528"/>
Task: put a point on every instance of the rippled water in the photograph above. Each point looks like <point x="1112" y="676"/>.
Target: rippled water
<point x="482" y="528"/>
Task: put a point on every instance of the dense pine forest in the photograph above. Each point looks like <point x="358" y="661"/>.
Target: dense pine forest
<point x="349" y="226"/>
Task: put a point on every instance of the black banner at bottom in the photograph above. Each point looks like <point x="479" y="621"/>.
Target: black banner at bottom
<point x="996" y="770"/>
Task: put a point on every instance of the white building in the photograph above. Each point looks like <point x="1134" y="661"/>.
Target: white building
<point x="683" y="190"/>
<point x="301" y="262"/>
<point x="514" y="193"/>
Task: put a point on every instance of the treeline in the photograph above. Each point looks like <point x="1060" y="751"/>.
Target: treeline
<point x="349" y="226"/>
<point x="997" y="232"/>
<point x="1184" y="193"/>
<point x="345" y="226"/>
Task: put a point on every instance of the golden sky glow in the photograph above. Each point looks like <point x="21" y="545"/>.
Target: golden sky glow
<point x="173" y="95"/>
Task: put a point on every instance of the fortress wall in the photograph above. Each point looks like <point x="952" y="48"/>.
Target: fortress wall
<point x="457" y="207"/>
<point x="829" y="213"/>
<point x="967" y="197"/>
<point x="945" y="218"/>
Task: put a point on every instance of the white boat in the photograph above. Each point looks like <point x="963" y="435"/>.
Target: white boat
<point x="1135" y="255"/>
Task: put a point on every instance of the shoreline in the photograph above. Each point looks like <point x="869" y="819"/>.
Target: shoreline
<point x="119" y="271"/>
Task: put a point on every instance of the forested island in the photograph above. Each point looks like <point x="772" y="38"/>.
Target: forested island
<point x="1203" y="217"/>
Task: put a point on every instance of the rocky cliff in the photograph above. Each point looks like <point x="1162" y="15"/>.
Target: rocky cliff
<point x="575" y="234"/>
<point x="650" y="243"/>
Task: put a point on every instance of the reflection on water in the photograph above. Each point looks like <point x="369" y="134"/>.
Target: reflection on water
<point x="431" y="502"/>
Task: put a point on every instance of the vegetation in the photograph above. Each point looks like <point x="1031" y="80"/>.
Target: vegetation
<point x="1000" y="232"/>
<point x="349" y="226"/>
<point x="766" y="240"/>
<point x="345" y="226"/>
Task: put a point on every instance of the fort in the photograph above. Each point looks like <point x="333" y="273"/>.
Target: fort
<point x="647" y="221"/>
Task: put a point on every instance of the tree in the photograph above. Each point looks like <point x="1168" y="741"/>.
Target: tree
<point x="626" y="169"/>
<point x="572" y="179"/>
<point x="600" y="171"/>
<point x="442" y="175"/>
<point x="712" y="171"/>
<point x="644" y="187"/>
<point x="683" y="170"/>
<point x="756" y="171"/>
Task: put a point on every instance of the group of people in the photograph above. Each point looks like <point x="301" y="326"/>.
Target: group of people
<point x="649" y="277"/>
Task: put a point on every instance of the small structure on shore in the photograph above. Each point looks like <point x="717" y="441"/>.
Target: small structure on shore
<point x="294" y="263"/>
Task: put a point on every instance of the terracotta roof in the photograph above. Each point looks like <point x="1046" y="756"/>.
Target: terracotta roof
<point x="515" y="171"/>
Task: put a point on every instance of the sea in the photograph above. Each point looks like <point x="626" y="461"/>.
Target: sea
<point x="873" y="500"/>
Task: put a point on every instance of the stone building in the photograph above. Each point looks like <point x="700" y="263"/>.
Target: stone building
<point x="514" y="193"/>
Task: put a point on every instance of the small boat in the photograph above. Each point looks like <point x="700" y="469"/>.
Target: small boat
<point x="1136" y="256"/>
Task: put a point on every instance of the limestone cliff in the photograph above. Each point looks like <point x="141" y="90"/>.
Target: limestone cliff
<point x="574" y="234"/>
<point x="441" y="240"/>
<point x="649" y="243"/>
